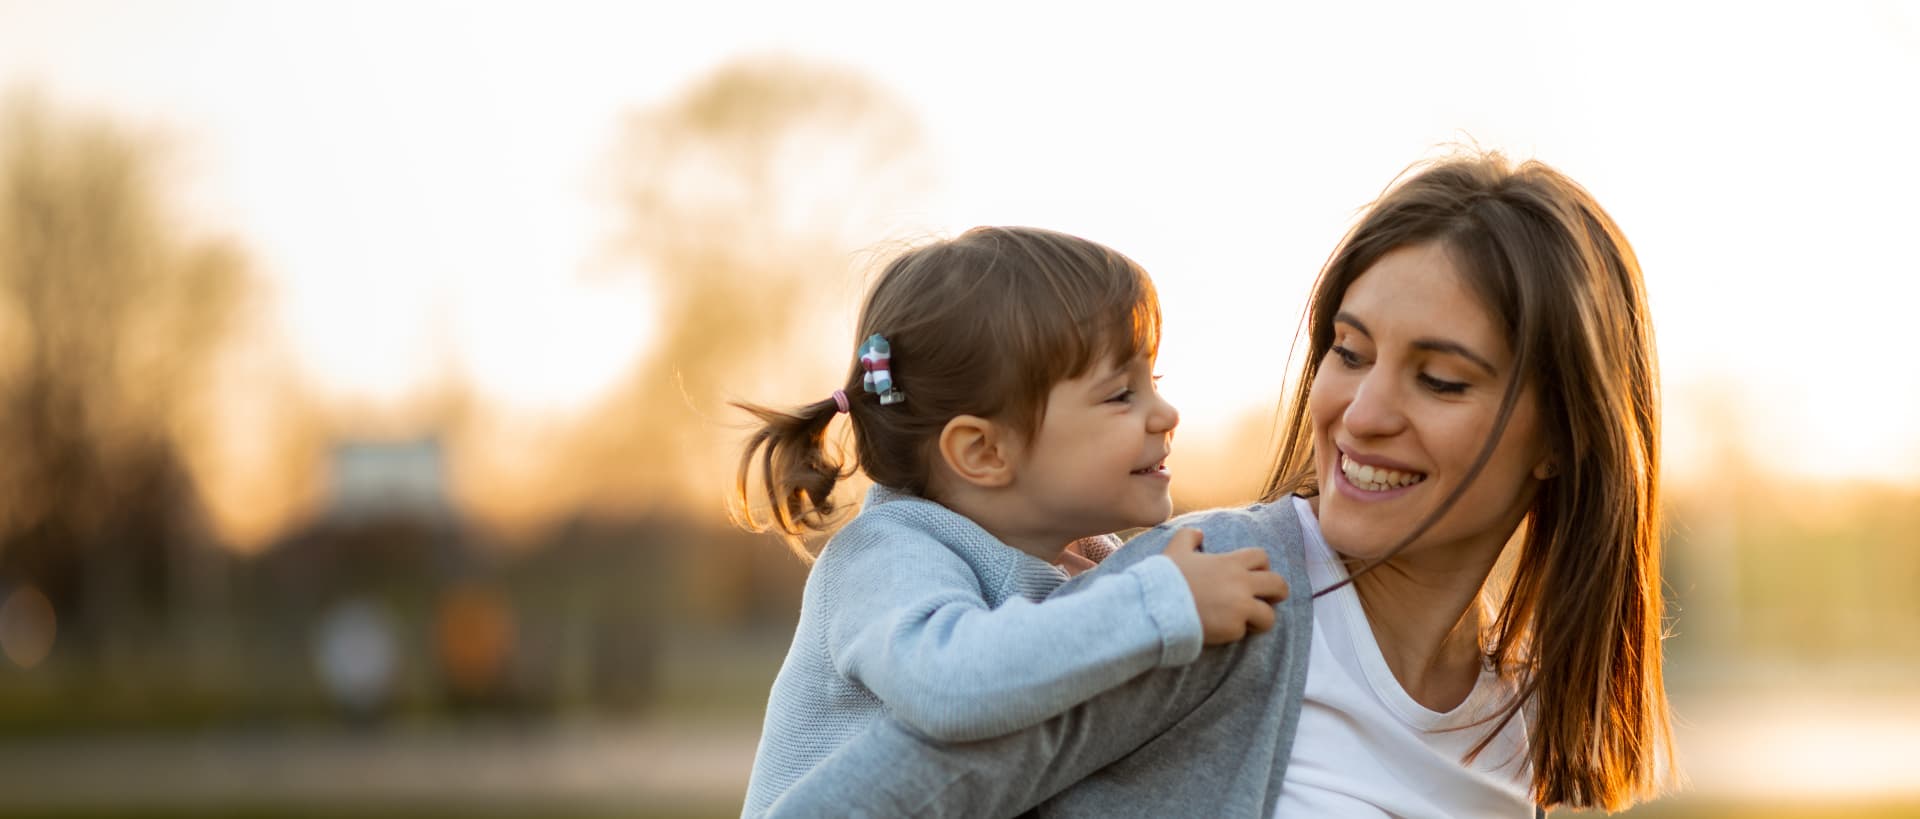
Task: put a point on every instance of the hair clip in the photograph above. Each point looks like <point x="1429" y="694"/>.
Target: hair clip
<point x="876" y="358"/>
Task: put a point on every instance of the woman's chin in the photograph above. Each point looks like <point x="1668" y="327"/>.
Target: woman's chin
<point x="1359" y="542"/>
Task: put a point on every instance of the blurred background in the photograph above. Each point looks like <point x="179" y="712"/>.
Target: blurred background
<point x="364" y="366"/>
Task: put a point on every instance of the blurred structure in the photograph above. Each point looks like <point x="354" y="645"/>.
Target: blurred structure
<point x="28" y="626"/>
<point x="377" y="479"/>
<point x="356" y="655"/>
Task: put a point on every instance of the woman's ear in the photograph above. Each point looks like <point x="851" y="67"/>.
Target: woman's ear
<point x="1545" y="469"/>
<point x="977" y="451"/>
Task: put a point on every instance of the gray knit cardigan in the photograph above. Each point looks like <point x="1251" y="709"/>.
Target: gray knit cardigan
<point x="916" y="614"/>
<point x="1210" y="738"/>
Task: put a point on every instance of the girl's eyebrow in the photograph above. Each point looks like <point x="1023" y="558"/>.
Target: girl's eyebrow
<point x="1437" y="345"/>
<point x="1104" y="375"/>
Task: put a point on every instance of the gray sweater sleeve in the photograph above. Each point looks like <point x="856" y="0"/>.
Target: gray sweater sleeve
<point x="1207" y="737"/>
<point x="911" y="626"/>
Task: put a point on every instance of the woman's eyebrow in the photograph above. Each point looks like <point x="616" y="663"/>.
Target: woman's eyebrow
<point x="1344" y="317"/>
<point x="1439" y="345"/>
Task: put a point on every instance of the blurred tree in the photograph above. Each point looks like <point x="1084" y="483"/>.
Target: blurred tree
<point x="746" y="200"/>
<point x="108" y="318"/>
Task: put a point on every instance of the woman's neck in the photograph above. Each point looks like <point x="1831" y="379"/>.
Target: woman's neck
<point x="1427" y="624"/>
<point x="1424" y="609"/>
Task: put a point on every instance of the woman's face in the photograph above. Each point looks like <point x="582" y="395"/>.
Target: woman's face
<point x="1401" y="406"/>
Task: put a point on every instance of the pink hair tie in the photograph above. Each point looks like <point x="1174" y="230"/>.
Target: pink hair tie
<point x="840" y="399"/>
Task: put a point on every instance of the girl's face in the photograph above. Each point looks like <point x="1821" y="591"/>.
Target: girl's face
<point x="1401" y="406"/>
<point x="1098" y="462"/>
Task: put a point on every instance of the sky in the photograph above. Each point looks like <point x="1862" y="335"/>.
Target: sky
<point x="452" y="158"/>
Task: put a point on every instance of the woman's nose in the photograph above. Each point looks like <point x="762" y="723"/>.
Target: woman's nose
<point x="1375" y="409"/>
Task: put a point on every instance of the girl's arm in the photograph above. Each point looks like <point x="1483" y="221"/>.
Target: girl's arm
<point x="911" y="626"/>
<point x="891" y="770"/>
<point x="1205" y="735"/>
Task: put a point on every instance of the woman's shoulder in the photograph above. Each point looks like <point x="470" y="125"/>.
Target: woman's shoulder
<point x="1264" y="519"/>
<point x="1270" y="525"/>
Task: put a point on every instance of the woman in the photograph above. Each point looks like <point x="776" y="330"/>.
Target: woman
<point x="1481" y="365"/>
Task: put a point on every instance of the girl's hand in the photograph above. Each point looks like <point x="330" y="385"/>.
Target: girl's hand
<point x="1234" y="592"/>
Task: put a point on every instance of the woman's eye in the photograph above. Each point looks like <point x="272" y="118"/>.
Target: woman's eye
<point x="1347" y="357"/>
<point x="1442" y="386"/>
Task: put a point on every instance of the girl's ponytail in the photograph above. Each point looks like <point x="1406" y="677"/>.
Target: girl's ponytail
<point x="797" y="474"/>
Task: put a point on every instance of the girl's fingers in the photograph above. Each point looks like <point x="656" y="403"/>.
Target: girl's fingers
<point x="1251" y="558"/>
<point x="1260" y="618"/>
<point x="1185" y="540"/>
<point x="1270" y="587"/>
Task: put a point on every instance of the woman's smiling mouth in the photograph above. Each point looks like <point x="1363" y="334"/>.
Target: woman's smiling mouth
<point x="1376" y="478"/>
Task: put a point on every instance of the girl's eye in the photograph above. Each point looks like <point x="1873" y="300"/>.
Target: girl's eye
<point x="1347" y="357"/>
<point x="1442" y="386"/>
<point x="1121" y="396"/>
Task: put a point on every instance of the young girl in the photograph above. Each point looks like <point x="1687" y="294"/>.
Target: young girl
<point x="1003" y="403"/>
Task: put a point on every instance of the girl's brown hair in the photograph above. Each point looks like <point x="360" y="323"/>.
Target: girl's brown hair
<point x="983" y="324"/>
<point x="1580" y="622"/>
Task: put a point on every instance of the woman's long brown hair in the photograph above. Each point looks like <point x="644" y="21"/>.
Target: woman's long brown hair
<point x="1579" y="625"/>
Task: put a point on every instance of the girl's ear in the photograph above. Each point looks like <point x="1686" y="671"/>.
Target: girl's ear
<point x="977" y="451"/>
<point x="1545" y="469"/>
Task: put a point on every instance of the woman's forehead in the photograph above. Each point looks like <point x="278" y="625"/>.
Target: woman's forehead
<point x="1416" y="292"/>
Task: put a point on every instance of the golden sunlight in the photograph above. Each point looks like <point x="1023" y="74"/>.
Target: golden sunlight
<point x="270" y="272"/>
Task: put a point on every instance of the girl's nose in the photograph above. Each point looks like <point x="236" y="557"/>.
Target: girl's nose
<point x="1164" y="416"/>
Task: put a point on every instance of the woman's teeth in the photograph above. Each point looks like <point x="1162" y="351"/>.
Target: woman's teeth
<point x="1376" y="478"/>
